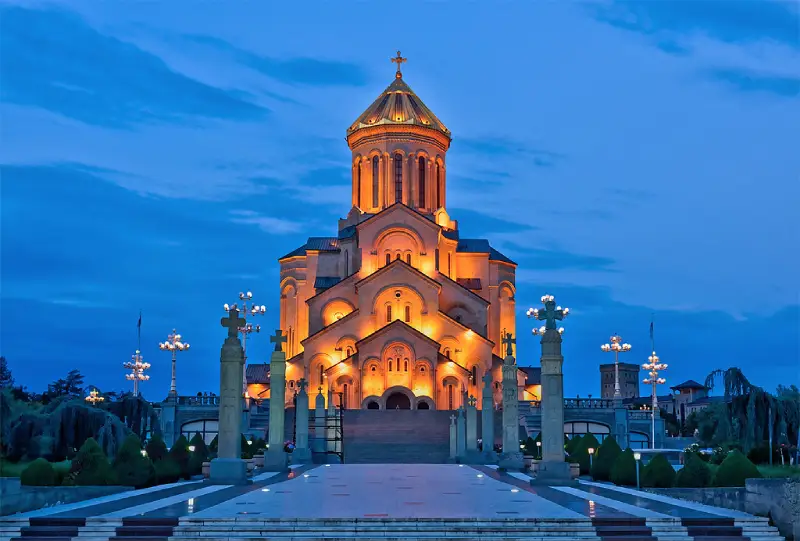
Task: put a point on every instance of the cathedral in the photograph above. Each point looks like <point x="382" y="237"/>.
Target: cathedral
<point x="397" y="311"/>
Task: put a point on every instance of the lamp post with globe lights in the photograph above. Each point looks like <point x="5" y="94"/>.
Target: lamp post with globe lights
<point x="653" y="367"/>
<point x="254" y="310"/>
<point x="616" y="346"/>
<point x="174" y="344"/>
<point x="553" y="468"/>
<point x="94" y="397"/>
<point x="137" y="367"/>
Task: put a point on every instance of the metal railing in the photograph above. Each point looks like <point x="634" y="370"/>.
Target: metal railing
<point x="198" y="400"/>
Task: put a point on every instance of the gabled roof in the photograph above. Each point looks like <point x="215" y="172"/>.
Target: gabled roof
<point x="321" y="244"/>
<point x="324" y="282"/>
<point x="688" y="384"/>
<point x="323" y="329"/>
<point x="459" y="324"/>
<point x="446" y="278"/>
<point x="481" y="246"/>
<point x="533" y="374"/>
<point x="398" y="263"/>
<point x="398" y="324"/>
<point x="413" y="212"/>
<point x="257" y="373"/>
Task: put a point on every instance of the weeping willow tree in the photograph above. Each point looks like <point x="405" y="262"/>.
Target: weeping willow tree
<point x="749" y="411"/>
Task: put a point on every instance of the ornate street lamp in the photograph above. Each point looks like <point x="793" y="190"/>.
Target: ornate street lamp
<point x="653" y="367"/>
<point x="616" y="346"/>
<point x="137" y="368"/>
<point x="254" y="310"/>
<point x="174" y="344"/>
<point x="94" y="397"/>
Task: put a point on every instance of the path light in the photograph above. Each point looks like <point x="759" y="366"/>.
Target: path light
<point x="191" y="448"/>
<point x="591" y="455"/>
<point x="616" y="346"/>
<point x="144" y="452"/>
<point x="637" y="457"/>
<point x="539" y="445"/>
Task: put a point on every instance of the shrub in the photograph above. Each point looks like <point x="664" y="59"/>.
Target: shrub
<point x="581" y="452"/>
<point x="156" y="448"/>
<point x="213" y="447"/>
<point x="131" y="468"/>
<point x="259" y="446"/>
<point x="604" y="459"/>
<point x="694" y="474"/>
<point x="658" y="473"/>
<point x="529" y="446"/>
<point x="198" y="456"/>
<point x="572" y="444"/>
<point x="734" y="470"/>
<point x="247" y="452"/>
<point x="167" y="470"/>
<point x="39" y="473"/>
<point x="91" y="467"/>
<point x="623" y="472"/>
<point x="180" y="454"/>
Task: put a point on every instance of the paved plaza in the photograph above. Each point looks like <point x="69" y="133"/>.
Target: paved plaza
<point x="374" y="500"/>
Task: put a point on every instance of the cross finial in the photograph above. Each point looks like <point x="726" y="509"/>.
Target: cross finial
<point x="278" y="339"/>
<point x="472" y="401"/>
<point x="509" y="343"/>
<point x="302" y="384"/>
<point x="487" y="380"/>
<point x="398" y="60"/>
<point x="233" y="322"/>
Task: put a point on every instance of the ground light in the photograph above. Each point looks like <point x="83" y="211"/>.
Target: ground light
<point x="591" y="454"/>
<point x="637" y="457"/>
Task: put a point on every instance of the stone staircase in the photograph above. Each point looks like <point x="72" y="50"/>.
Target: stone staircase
<point x="396" y="436"/>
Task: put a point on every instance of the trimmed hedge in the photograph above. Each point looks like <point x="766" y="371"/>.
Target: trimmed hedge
<point x="581" y="452"/>
<point x="694" y="474"/>
<point x="604" y="459"/>
<point x="39" y="473"/>
<point x="180" y="455"/>
<point x="623" y="472"/>
<point x="156" y="448"/>
<point x="131" y="468"/>
<point x="198" y="456"/>
<point x="247" y="451"/>
<point x="90" y="466"/>
<point x="658" y="473"/>
<point x="734" y="470"/>
<point x="167" y="471"/>
<point x="572" y="445"/>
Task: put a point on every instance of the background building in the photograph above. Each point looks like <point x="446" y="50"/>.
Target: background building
<point x="628" y="380"/>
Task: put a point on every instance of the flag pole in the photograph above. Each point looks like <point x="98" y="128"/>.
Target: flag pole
<point x="139" y="330"/>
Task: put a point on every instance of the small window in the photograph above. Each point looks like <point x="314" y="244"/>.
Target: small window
<point x="438" y="187"/>
<point x="408" y="258"/>
<point x="337" y="316"/>
<point x="398" y="178"/>
<point x="291" y="383"/>
<point x="358" y="184"/>
<point x="389" y="314"/>
<point x="449" y="261"/>
<point x="346" y="263"/>
<point x="349" y="351"/>
<point x="474" y="374"/>
<point x="421" y="369"/>
<point x="447" y="352"/>
<point x="372" y="369"/>
<point x="390" y="364"/>
<point x="436" y="262"/>
<point x="405" y="365"/>
<point x="321" y="373"/>
<point x="375" y="180"/>
<point x="398" y="364"/>
<point x="421" y="188"/>
<point x="408" y="314"/>
<point x="397" y="256"/>
<point x="388" y="258"/>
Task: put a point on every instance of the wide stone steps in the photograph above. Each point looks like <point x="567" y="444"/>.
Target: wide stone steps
<point x="396" y="436"/>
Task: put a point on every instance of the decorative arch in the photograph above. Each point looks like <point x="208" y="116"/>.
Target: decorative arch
<point x="316" y="367"/>
<point x="372" y="400"/>
<point x="289" y="313"/>
<point x="506" y="295"/>
<point x="345" y="343"/>
<point x="399" y="389"/>
<point x="336" y="309"/>
<point x="410" y="239"/>
<point x="425" y="403"/>
<point x="387" y="295"/>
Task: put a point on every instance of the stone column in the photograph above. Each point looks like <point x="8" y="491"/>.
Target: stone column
<point x="275" y="458"/>
<point x="553" y="468"/>
<point x="461" y="435"/>
<point x="453" y="438"/>
<point x="472" y="425"/>
<point x="318" y="445"/>
<point x="229" y="468"/>
<point x="621" y="425"/>
<point x="301" y="453"/>
<point x="487" y="419"/>
<point x="511" y="457"/>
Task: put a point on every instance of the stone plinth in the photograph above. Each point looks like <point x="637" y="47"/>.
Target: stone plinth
<point x="301" y="453"/>
<point x="461" y="434"/>
<point x="275" y="458"/>
<point x="552" y="469"/>
<point x="318" y="443"/>
<point x="487" y="420"/>
<point x="511" y="457"/>
<point x="229" y="468"/>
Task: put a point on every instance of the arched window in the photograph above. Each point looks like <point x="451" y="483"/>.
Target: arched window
<point x="346" y="263"/>
<point x="408" y="314"/>
<point x="398" y="364"/>
<point x="438" y="187"/>
<point x="421" y="175"/>
<point x="348" y="351"/>
<point x="474" y="373"/>
<point x="358" y="184"/>
<point x="446" y="352"/>
<point x="398" y="178"/>
<point x="321" y="373"/>
<point x="421" y="369"/>
<point x="390" y="364"/>
<point x="449" y="260"/>
<point x="436" y="257"/>
<point x="375" y="180"/>
<point x="344" y="396"/>
<point x="408" y="258"/>
<point x="373" y="368"/>
<point x="397" y="255"/>
<point x="450" y="404"/>
<point x="405" y="365"/>
<point x="388" y="258"/>
<point x="389" y="313"/>
<point x="291" y="383"/>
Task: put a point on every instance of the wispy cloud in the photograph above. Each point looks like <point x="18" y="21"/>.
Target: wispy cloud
<point x="747" y="80"/>
<point x="502" y="146"/>
<point x="268" y="224"/>
<point x="54" y="60"/>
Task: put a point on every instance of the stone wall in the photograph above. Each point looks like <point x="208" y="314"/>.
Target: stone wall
<point x="778" y="499"/>
<point x="15" y="498"/>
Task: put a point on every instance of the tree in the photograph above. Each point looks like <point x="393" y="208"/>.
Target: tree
<point x="623" y="472"/>
<point x="39" y="473"/>
<point x="6" y="379"/>
<point x="604" y="459"/>
<point x="734" y="470"/>
<point x="199" y="454"/>
<point x="694" y="474"/>
<point x="72" y="385"/>
<point x="180" y="454"/>
<point x="658" y="473"/>
<point x="156" y="448"/>
<point x="581" y="452"/>
<point x="91" y="467"/>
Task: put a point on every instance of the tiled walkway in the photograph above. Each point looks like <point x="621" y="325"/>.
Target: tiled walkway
<point x="366" y="492"/>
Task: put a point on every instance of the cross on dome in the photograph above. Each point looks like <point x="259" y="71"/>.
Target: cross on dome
<point x="398" y="60"/>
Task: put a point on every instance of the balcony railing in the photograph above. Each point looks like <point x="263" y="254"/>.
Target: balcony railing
<point x="198" y="400"/>
<point x="580" y="403"/>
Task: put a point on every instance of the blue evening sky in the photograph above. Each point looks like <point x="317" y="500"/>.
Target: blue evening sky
<point x="634" y="158"/>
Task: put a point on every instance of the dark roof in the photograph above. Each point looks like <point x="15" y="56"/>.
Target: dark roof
<point x="470" y="283"/>
<point x="707" y="400"/>
<point x="629" y="366"/>
<point x="451" y="234"/>
<point x="533" y="374"/>
<point x="689" y="384"/>
<point x="322" y="244"/>
<point x="347" y="232"/>
<point x="258" y="373"/>
<point x="324" y="282"/>
<point x="481" y="246"/>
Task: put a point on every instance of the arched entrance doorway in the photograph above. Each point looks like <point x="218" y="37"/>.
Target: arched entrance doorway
<point x="398" y="401"/>
<point x="372" y="405"/>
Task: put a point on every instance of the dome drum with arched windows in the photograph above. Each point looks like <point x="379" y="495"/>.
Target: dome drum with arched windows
<point x="398" y="311"/>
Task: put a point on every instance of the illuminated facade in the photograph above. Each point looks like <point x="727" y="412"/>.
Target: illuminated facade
<point x="397" y="310"/>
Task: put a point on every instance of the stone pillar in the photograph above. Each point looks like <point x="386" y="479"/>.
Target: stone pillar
<point x="553" y="468"/>
<point x="511" y="457"/>
<point x="275" y="458"/>
<point x="332" y="429"/>
<point x="318" y="445"/>
<point x="487" y="420"/>
<point x="301" y="453"/>
<point x="621" y="428"/>
<point x="168" y="419"/>
<point x="453" y="438"/>
<point x="461" y="434"/>
<point x="229" y="468"/>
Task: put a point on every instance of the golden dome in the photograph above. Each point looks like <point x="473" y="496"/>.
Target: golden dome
<point x="398" y="105"/>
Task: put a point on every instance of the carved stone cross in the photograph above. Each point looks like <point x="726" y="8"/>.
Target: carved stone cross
<point x="302" y="384"/>
<point x="550" y="314"/>
<point x="233" y="322"/>
<point x="278" y="339"/>
<point x="487" y="380"/>
<point x="472" y="401"/>
<point x="509" y="343"/>
<point x="452" y="419"/>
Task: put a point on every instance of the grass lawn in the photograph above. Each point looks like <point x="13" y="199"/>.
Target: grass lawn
<point x="14" y="469"/>
<point x="779" y="471"/>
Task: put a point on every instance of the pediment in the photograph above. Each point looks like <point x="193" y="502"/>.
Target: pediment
<point x="398" y="267"/>
<point x="397" y="329"/>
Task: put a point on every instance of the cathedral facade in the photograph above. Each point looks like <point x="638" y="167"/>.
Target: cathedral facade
<point x="397" y="310"/>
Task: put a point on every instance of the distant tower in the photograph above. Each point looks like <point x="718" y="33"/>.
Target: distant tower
<point x="628" y="380"/>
